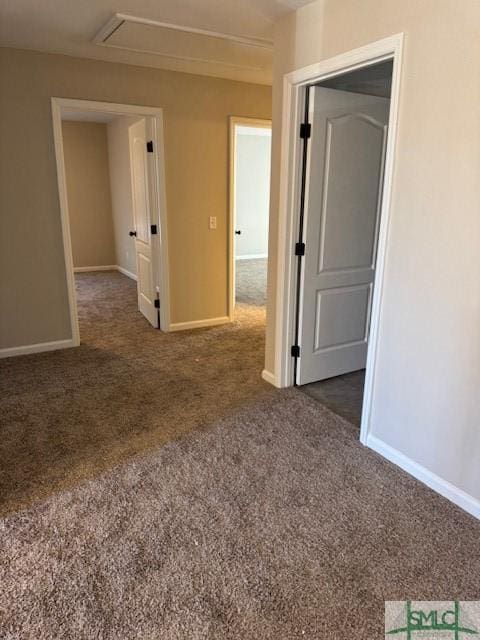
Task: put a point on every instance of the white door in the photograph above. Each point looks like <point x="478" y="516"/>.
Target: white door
<point x="344" y="179"/>
<point x="142" y="216"/>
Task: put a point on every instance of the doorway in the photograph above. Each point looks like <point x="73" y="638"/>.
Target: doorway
<point x="343" y="169"/>
<point x="250" y="160"/>
<point x="135" y="226"/>
<point x="328" y="289"/>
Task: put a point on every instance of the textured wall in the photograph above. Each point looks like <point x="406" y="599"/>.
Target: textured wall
<point x="196" y="110"/>
<point x="88" y="191"/>
<point x="426" y="397"/>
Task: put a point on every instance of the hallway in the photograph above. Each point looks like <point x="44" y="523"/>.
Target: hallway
<point x="172" y="494"/>
<point x="73" y="413"/>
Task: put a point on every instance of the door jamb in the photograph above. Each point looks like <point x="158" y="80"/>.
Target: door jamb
<point x="61" y="105"/>
<point x="233" y="122"/>
<point x="294" y="85"/>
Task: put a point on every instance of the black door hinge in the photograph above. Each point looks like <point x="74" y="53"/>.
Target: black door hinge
<point x="150" y="146"/>
<point x="157" y="303"/>
<point x="300" y="249"/>
<point x="295" y="351"/>
<point x="305" y="130"/>
<point x="153" y="229"/>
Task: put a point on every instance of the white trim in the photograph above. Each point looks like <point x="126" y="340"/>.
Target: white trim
<point x="234" y="122"/>
<point x="290" y="170"/>
<point x="63" y="106"/>
<point x="129" y="274"/>
<point x="37" y="348"/>
<point x="252" y="256"/>
<point x="118" y="19"/>
<point x="443" y="487"/>
<point x="197" y="324"/>
<point x="268" y="377"/>
<point x="102" y="267"/>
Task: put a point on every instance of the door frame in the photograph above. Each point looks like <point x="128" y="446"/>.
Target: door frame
<point x="63" y="105"/>
<point x="233" y="123"/>
<point x="294" y="90"/>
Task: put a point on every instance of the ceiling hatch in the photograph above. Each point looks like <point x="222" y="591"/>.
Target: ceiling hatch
<point x="185" y="43"/>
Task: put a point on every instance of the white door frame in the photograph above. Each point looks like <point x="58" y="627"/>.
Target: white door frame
<point x="290" y="179"/>
<point x="233" y="123"/>
<point x="63" y="105"/>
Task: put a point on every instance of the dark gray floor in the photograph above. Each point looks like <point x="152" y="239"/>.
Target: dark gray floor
<point x="342" y="394"/>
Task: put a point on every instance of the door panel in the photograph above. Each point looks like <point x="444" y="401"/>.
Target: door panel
<point x="142" y="218"/>
<point x="344" y="174"/>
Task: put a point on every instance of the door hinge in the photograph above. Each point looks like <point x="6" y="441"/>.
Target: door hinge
<point x="295" y="351"/>
<point x="300" y="249"/>
<point x="153" y="229"/>
<point x="157" y="303"/>
<point x="150" y="146"/>
<point x="305" y="130"/>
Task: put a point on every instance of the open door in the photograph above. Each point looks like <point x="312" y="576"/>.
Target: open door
<point x="142" y="215"/>
<point x="344" y="179"/>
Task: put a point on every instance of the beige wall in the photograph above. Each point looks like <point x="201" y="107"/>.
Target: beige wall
<point x="121" y="189"/>
<point x="196" y="110"/>
<point x="426" y="401"/>
<point x="88" y="192"/>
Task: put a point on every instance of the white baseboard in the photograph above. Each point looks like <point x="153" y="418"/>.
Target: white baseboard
<point x="102" y="267"/>
<point x="252" y="256"/>
<point x="269" y="377"/>
<point x="197" y="324"/>
<point x="438" y="484"/>
<point x="109" y="267"/>
<point x="36" y="348"/>
<point x="126" y="273"/>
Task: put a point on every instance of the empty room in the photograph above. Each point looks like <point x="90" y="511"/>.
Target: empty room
<point x="239" y="319"/>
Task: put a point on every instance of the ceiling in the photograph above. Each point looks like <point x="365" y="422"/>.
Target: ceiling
<point x="168" y="34"/>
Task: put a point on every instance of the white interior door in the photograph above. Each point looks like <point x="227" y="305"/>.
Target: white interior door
<point x="142" y="215"/>
<point x="344" y="179"/>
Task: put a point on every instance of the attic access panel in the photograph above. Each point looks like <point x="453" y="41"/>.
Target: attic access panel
<point x="185" y="43"/>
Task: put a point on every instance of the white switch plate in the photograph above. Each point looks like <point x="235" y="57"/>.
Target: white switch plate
<point x="212" y="222"/>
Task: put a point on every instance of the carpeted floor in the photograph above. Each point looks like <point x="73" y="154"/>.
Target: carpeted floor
<point x="172" y="494"/>
<point x="251" y="281"/>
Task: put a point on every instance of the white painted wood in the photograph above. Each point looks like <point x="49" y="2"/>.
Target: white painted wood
<point x="119" y="19"/>
<point x="456" y="495"/>
<point x="234" y="123"/>
<point x="197" y="324"/>
<point x="290" y="172"/>
<point x="252" y="256"/>
<point x="62" y="107"/>
<point x="24" y="350"/>
<point x="65" y="218"/>
<point x="127" y="273"/>
<point x="142" y="216"/>
<point x="268" y="377"/>
<point x="344" y="181"/>
<point x="103" y="267"/>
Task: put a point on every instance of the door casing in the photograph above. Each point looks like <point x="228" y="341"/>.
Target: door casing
<point x="294" y="91"/>
<point x="158" y="193"/>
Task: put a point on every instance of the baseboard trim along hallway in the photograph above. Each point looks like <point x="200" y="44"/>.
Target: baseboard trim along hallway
<point x="197" y="324"/>
<point x="36" y="348"/>
<point x="108" y="267"/>
<point x="459" y="497"/>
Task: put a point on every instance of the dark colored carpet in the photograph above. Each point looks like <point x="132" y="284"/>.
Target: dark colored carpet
<point x="176" y="496"/>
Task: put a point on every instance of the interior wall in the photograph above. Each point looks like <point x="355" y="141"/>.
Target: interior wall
<point x="121" y="190"/>
<point x="252" y="194"/>
<point x="425" y="402"/>
<point x="196" y="112"/>
<point x="88" y="193"/>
